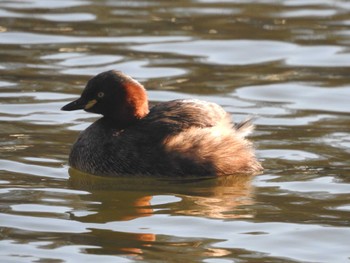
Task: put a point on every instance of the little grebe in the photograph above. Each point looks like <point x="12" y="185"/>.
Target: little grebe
<point x="176" y="138"/>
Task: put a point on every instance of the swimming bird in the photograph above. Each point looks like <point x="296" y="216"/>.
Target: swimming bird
<point x="178" y="138"/>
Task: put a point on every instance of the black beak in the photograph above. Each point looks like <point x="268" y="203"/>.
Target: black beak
<point x="78" y="104"/>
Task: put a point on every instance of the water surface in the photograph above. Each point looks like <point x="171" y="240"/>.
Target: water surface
<point x="286" y="62"/>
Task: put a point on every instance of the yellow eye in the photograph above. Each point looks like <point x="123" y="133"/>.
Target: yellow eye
<point x="100" y="94"/>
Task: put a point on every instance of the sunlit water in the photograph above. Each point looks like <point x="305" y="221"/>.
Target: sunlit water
<point x="285" y="62"/>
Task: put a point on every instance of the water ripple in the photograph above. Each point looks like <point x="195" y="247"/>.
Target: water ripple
<point x="44" y="4"/>
<point x="299" y="96"/>
<point x="247" y="52"/>
<point x="285" y="62"/>
<point x="35" y="38"/>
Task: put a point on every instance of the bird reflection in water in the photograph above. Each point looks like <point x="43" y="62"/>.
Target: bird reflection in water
<point x="117" y="200"/>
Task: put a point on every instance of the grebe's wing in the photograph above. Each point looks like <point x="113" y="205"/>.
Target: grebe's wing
<point x="188" y="113"/>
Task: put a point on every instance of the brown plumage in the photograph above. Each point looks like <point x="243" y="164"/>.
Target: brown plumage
<point x="175" y="138"/>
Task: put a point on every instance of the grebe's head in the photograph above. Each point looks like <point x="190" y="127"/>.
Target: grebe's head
<point x="114" y="95"/>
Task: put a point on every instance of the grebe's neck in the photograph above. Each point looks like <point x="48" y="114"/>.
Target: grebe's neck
<point x="131" y="104"/>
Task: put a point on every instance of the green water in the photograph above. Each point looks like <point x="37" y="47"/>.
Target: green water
<point x="287" y="62"/>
